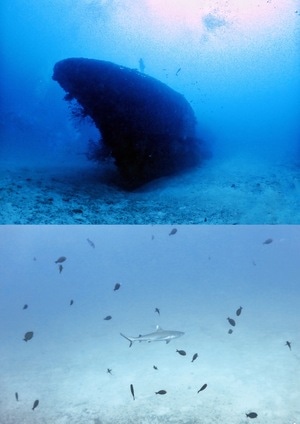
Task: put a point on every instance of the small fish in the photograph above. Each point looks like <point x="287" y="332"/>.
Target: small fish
<point x="107" y="318"/>
<point x="142" y="65"/>
<point x="239" y="311"/>
<point x="71" y="302"/>
<point x="60" y="268"/>
<point x="289" y="344"/>
<point x="61" y="259"/>
<point x="251" y="415"/>
<point x="181" y="352"/>
<point x="161" y="392"/>
<point x="231" y="321"/>
<point x="132" y="391"/>
<point x="109" y="371"/>
<point x="92" y="244"/>
<point x="117" y="286"/>
<point x="268" y="241"/>
<point x="202" y="388"/>
<point x="195" y="356"/>
<point x="28" y="336"/>
<point x="155" y="367"/>
<point x="230" y="331"/>
<point x="25" y="306"/>
<point x="173" y="231"/>
<point x="35" y="404"/>
<point x="17" y="396"/>
<point x="157" y="311"/>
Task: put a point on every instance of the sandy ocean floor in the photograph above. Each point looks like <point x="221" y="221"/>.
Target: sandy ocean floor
<point x="228" y="192"/>
<point x="244" y="372"/>
<point x="195" y="280"/>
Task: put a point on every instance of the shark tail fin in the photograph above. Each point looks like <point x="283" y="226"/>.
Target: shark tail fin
<point x="127" y="339"/>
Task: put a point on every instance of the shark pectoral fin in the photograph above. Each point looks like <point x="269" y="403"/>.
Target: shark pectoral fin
<point x="168" y="341"/>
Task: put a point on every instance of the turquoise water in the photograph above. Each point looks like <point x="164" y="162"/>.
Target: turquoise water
<point x="197" y="278"/>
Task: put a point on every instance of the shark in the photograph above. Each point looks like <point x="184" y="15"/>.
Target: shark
<point x="159" y="335"/>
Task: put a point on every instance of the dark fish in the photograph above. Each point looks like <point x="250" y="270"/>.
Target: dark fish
<point x="141" y="65"/>
<point x="132" y="391"/>
<point x="109" y="371"/>
<point x="107" y="318"/>
<point x="173" y="231"/>
<point x="157" y="310"/>
<point x="35" y="404"/>
<point x="117" y="286"/>
<point x="195" y="356"/>
<point x="289" y="344"/>
<point x="251" y="415"/>
<point x="230" y="331"/>
<point x="28" y="336"/>
<point x="25" y="306"/>
<point x="268" y="241"/>
<point x="181" y="352"/>
<point x="17" y="396"/>
<point x="60" y="268"/>
<point x="92" y="244"/>
<point x="61" y="259"/>
<point x="161" y="392"/>
<point x="155" y="367"/>
<point x="231" y="321"/>
<point x="152" y="237"/>
<point x="178" y="70"/>
<point x="71" y="302"/>
<point x="239" y="311"/>
<point x="202" y="388"/>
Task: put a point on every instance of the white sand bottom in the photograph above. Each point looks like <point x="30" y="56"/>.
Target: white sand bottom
<point x="244" y="373"/>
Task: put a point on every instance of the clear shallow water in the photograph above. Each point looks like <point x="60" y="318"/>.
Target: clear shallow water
<point x="197" y="277"/>
<point x="237" y="66"/>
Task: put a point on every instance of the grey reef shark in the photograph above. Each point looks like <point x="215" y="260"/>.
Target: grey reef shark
<point x="159" y="335"/>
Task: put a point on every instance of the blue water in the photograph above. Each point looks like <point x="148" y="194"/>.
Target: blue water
<point x="197" y="278"/>
<point x="238" y="66"/>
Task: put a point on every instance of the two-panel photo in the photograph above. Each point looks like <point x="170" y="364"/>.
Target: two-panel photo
<point x="150" y="212"/>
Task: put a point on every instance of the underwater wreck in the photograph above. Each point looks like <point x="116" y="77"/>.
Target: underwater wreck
<point x="147" y="128"/>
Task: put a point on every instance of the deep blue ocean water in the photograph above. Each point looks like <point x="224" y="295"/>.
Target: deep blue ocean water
<point x="238" y="66"/>
<point x="197" y="278"/>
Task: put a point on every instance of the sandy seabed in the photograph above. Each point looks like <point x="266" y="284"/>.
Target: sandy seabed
<point x="242" y="375"/>
<point x="229" y="192"/>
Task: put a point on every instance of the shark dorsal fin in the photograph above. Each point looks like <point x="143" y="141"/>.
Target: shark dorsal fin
<point x="158" y="328"/>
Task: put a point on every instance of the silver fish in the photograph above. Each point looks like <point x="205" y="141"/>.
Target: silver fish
<point x="159" y="335"/>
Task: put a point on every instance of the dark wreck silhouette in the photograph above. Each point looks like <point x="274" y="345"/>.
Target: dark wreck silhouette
<point x="148" y="129"/>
